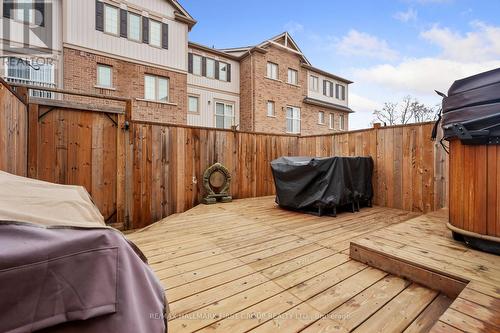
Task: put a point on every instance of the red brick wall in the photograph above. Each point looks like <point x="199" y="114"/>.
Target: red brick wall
<point x="282" y="93"/>
<point x="80" y="74"/>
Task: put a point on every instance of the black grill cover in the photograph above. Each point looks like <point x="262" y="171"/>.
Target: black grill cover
<point x="304" y="183"/>
<point x="471" y="112"/>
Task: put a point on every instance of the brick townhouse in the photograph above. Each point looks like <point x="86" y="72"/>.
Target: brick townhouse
<point x="140" y="49"/>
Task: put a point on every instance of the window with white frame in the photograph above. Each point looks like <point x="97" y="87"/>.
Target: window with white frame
<point x="197" y="64"/>
<point x="342" y="122"/>
<point x="134" y="27"/>
<point x="321" y="118"/>
<point x="156" y="88"/>
<point x="293" y="76"/>
<point x="104" y="76"/>
<point x="36" y="73"/>
<point x="222" y="71"/>
<point x="24" y="11"/>
<point x="292" y="119"/>
<point x="328" y="88"/>
<point x="155" y="33"/>
<point x="271" y="109"/>
<point x="272" y="71"/>
<point x="224" y="115"/>
<point x="193" y="103"/>
<point x="210" y="68"/>
<point x="340" y="92"/>
<point x="313" y="83"/>
<point x="331" y="121"/>
<point x="110" y="19"/>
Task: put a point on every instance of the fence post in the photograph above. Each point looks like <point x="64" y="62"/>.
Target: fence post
<point x="33" y="140"/>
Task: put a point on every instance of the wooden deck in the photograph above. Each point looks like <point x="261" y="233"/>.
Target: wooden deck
<point x="251" y="266"/>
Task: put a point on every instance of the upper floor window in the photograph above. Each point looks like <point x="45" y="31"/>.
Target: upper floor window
<point x="340" y="92"/>
<point x="193" y="104"/>
<point x="321" y="118"/>
<point x="293" y="76"/>
<point x="270" y="109"/>
<point x="272" y="71"/>
<point x="224" y="116"/>
<point x="313" y="83"/>
<point x="156" y="88"/>
<point x="222" y="71"/>
<point x="134" y="27"/>
<point x="196" y="64"/>
<point x="292" y="119"/>
<point x="331" y="120"/>
<point x="104" y="76"/>
<point x="327" y="88"/>
<point x="342" y="122"/>
<point x="110" y="19"/>
<point x="210" y="71"/>
<point x="155" y="33"/>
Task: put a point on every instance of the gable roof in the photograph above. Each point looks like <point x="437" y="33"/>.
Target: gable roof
<point x="181" y="14"/>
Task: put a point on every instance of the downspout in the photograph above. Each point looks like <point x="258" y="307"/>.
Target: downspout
<point x="253" y="90"/>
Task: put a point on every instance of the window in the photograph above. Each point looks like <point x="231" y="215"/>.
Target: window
<point x="154" y="33"/>
<point x="313" y="83"/>
<point x="340" y="92"/>
<point x="24" y="11"/>
<point x="193" y="102"/>
<point x="36" y="73"/>
<point x="270" y="109"/>
<point x="292" y="119"/>
<point x="134" y="27"/>
<point x="321" y="118"/>
<point x="293" y="76"/>
<point x="210" y="68"/>
<point x="272" y="71"/>
<point x="342" y="124"/>
<point x="222" y="71"/>
<point x="110" y="19"/>
<point x="196" y="64"/>
<point x="104" y="76"/>
<point x="156" y="88"/>
<point x="327" y="88"/>
<point x="331" y="121"/>
<point x="223" y="115"/>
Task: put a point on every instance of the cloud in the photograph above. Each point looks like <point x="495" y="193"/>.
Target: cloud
<point x="481" y="44"/>
<point x="408" y="16"/>
<point x="357" y="43"/>
<point x="363" y="108"/>
<point x="421" y="76"/>
<point x="293" y="27"/>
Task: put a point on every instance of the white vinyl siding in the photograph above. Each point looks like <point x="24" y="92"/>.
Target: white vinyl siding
<point x="321" y="118"/>
<point x="134" y="27"/>
<point x="210" y="68"/>
<point x="224" y="115"/>
<point x="156" y="88"/>
<point x="272" y="71"/>
<point x="155" y="33"/>
<point x="341" y="122"/>
<point x="110" y="19"/>
<point x="196" y="64"/>
<point x="331" y="121"/>
<point x="314" y="83"/>
<point x="104" y="76"/>
<point x="194" y="104"/>
<point x="293" y="76"/>
<point x="271" y="109"/>
<point x="292" y="120"/>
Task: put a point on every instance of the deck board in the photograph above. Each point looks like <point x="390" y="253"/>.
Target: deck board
<point x="249" y="266"/>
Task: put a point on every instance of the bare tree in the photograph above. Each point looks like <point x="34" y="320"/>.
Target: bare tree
<point x="409" y="110"/>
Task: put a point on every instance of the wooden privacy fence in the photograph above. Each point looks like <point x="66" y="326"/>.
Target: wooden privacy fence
<point x="138" y="172"/>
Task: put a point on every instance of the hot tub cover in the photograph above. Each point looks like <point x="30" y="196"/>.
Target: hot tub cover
<point x="67" y="271"/>
<point x="305" y="182"/>
<point x="471" y="111"/>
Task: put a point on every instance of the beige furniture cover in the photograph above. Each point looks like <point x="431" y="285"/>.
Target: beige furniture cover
<point x="34" y="201"/>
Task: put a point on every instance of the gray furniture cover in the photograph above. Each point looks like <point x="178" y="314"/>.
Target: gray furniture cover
<point x="73" y="274"/>
<point x="471" y="111"/>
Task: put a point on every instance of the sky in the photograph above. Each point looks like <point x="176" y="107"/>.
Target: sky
<point x="390" y="49"/>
